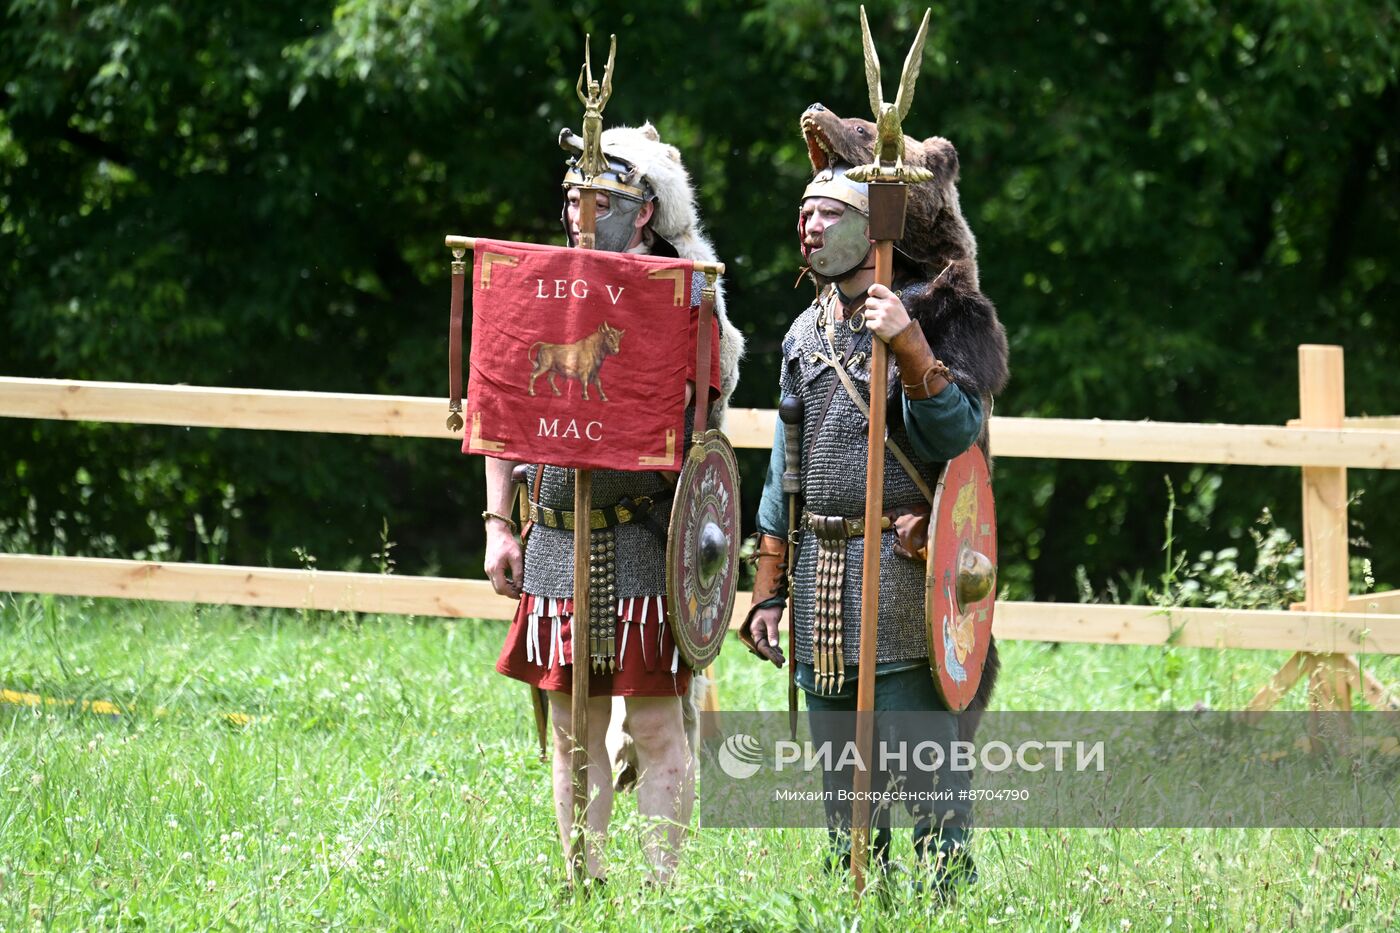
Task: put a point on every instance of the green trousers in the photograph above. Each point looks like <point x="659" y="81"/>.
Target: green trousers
<point x="908" y="711"/>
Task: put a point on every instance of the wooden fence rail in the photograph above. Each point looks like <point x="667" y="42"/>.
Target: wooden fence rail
<point x="1355" y="625"/>
<point x="1355" y="444"/>
<point x="1371" y="625"/>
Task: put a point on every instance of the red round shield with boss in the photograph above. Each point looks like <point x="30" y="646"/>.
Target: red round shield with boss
<point x="960" y="579"/>
<point x="702" y="550"/>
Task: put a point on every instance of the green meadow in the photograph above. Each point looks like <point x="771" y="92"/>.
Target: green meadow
<point x="385" y="778"/>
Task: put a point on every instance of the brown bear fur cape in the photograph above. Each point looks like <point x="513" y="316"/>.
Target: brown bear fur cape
<point x="960" y="323"/>
<point x="940" y="251"/>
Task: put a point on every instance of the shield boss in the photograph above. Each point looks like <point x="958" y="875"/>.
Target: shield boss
<point x="702" y="550"/>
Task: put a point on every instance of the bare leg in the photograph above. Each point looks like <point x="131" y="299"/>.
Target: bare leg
<point x="666" y="790"/>
<point x="600" y="789"/>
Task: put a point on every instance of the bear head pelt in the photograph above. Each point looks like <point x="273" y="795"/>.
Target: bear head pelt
<point x="960" y="322"/>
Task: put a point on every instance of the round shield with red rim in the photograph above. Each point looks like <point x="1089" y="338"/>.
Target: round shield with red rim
<point x="960" y="577"/>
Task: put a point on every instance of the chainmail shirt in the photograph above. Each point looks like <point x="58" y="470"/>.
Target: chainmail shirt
<point x="834" y="441"/>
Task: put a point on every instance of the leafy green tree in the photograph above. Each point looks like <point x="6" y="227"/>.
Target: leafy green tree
<point x="1169" y="197"/>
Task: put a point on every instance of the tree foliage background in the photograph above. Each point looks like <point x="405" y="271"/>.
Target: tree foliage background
<point x="1169" y="197"/>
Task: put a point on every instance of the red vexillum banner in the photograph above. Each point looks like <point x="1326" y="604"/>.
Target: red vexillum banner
<point x="579" y="357"/>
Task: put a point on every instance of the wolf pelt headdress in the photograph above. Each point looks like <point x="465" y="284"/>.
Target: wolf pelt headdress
<point x="677" y="221"/>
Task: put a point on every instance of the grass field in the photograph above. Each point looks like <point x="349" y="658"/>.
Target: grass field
<point x="388" y="780"/>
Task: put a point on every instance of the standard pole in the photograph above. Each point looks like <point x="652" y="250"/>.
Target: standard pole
<point x="870" y="584"/>
<point x="583" y="509"/>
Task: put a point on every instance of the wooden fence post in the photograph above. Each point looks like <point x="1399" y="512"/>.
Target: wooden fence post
<point x="1321" y="404"/>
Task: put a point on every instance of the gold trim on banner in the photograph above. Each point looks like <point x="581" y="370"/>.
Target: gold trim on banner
<point x="477" y="442"/>
<point x="486" y="261"/>
<point x="670" y="457"/>
<point x="675" y="275"/>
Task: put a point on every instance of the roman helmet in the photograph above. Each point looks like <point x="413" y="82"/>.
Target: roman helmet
<point x="846" y="243"/>
<point x="640" y="168"/>
<point x="627" y="189"/>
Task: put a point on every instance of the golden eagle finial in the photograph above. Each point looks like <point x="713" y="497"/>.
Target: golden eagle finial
<point x="889" y="143"/>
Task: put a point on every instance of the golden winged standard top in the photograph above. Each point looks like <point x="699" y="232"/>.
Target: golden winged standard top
<point x="594" y="97"/>
<point x="889" y="145"/>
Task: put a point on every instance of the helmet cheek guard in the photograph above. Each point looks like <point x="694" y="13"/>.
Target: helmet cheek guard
<point x="846" y="243"/>
<point x="627" y="193"/>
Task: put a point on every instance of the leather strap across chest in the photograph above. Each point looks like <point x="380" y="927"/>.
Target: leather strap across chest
<point x="860" y="403"/>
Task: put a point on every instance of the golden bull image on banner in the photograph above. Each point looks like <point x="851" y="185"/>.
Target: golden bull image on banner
<point x="579" y="358"/>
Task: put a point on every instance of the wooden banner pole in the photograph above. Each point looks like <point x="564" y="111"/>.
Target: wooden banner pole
<point x="454" y="241"/>
<point x="578" y="622"/>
